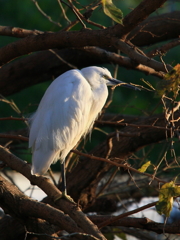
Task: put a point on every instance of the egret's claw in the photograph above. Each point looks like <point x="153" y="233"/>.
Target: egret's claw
<point x="65" y="196"/>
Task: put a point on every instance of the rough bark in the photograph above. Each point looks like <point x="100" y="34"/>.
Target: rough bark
<point x="31" y="68"/>
<point x="101" y="38"/>
<point x="53" y="193"/>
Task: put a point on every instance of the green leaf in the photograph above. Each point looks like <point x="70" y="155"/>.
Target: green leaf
<point x="170" y="83"/>
<point x="144" y="167"/>
<point x="166" y="194"/>
<point x="165" y="207"/>
<point x="112" y="11"/>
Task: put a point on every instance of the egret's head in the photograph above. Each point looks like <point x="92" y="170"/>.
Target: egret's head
<point x="98" y="75"/>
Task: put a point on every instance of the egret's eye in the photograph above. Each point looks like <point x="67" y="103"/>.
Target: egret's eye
<point x="105" y="77"/>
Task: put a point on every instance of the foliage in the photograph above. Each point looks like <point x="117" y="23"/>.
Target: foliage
<point x="171" y="82"/>
<point x="166" y="194"/>
<point x="112" y="11"/>
<point x="144" y="167"/>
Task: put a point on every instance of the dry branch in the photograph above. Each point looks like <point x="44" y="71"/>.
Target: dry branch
<point x="76" y="39"/>
<point x="73" y="211"/>
<point x="19" y="205"/>
<point x="31" y="68"/>
<point x="17" y="32"/>
<point x="139" y="14"/>
<point x="141" y="223"/>
<point x="138" y="58"/>
<point x="127" y="62"/>
<point x="156" y="29"/>
<point x="164" y="48"/>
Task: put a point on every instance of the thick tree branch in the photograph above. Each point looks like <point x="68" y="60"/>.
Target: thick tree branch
<point x="59" y="40"/>
<point x="31" y="68"/>
<point x="101" y="38"/>
<point x="139" y="14"/>
<point x="153" y="30"/>
<point x="17" y="229"/>
<point x="38" y="68"/>
<point x="73" y="211"/>
<point x="156" y="29"/>
<point x="19" y="205"/>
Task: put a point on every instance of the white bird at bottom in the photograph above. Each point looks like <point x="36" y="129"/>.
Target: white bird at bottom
<point x="67" y="112"/>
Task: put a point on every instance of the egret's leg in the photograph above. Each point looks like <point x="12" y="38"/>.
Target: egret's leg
<point x="63" y="175"/>
<point x="64" y="189"/>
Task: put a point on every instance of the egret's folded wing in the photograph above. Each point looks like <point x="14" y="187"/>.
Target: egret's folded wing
<point x="62" y="114"/>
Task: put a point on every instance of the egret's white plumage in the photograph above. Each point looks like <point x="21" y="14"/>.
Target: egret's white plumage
<point x="66" y="112"/>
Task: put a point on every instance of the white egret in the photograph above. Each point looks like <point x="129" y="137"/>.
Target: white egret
<point x="67" y="112"/>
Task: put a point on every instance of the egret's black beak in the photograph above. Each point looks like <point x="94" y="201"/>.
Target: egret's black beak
<point x="123" y="84"/>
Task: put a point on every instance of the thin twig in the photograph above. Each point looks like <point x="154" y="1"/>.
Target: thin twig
<point x="14" y="107"/>
<point x="117" y="165"/>
<point x="83" y="16"/>
<point x="113" y="219"/>
<point x="44" y="14"/>
<point x="19" y="137"/>
<point x="13" y="118"/>
<point x="107" y="183"/>
<point x="63" y="11"/>
<point x="131" y="125"/>
<point x="75" y="11"/>
<point x="62" y="60"/>
<point x="165" y="48"/>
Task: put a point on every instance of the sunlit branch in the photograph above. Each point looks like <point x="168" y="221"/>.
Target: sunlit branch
<point x="122" y="61"/>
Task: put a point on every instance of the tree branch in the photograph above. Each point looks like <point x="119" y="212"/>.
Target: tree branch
<point x="73" y="211"/>
<point x="126" y="62"/>
<point x="140" y="58"/>
<point x="164" y="48"/>
<point x="156" y="29"/>
<point x="101" y="38"/>
<point x="40" y="67"/>
<point x="19" y="205"/>
<point x="22" y="69"/>
<point x="17" y="32"/>
<point x="139" y="14"/>
<point x="141" y="223"/>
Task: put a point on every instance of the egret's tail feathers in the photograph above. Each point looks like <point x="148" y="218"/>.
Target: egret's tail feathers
<point x="41" y="161"/>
